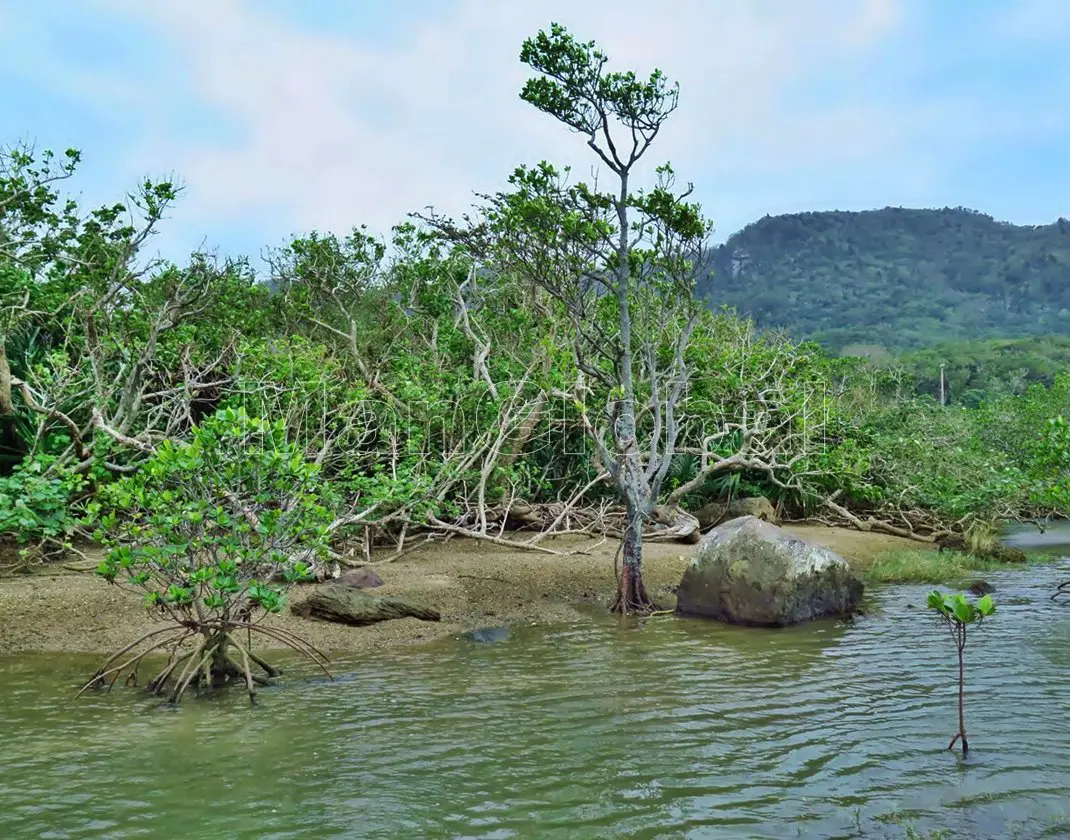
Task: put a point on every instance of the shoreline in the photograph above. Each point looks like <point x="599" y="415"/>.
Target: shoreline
<point x="473" y="584"/>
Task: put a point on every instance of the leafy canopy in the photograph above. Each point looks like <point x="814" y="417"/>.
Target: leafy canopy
<point x="575" y="89"/>
<point x="211" y="523"/>
<point x="956" y="608"/>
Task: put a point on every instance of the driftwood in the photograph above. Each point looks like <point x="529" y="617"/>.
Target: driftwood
<point x="346" y="605"/>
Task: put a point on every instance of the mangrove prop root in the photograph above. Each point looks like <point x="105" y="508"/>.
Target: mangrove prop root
<point x="269" y="669"/>
<point x="248" y="656"/>
<point x="104" y="668"/>
<point x="160" y="680"/>
<point x="250" y="677"/>
<point x="632" y="597"/>
<point x="180" y="689"/>
<point x="292" y="641"/>
<point x="134" y="661"/>
<point x="192" y="666"/>
<point x="248" y="674"/>
<point x="215" y="659"/>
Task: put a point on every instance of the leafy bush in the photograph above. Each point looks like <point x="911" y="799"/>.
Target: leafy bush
<point x="213" y="531"/>
<point x="35" y="502"/>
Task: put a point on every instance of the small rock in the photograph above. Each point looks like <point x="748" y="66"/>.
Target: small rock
<point x="757" y="506"/>
<point x="981" y="587"/>
<point x="363" y="578"/>
<point x="487" y="635"/>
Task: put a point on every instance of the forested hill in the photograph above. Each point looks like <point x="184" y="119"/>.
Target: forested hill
<point x="897" y="277"/>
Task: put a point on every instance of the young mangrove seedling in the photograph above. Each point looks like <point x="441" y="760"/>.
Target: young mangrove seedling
<point x="958" y="613"/>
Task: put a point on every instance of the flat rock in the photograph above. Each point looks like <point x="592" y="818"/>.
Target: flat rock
<point x="753" y="573"/>
<point x="349" y="605"/>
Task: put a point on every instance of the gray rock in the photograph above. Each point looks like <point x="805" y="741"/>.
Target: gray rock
<point x="487" y="635"/>
<point x="750" y="572"/>
<point x="981" y="587"/>
<point x="756" y="506"/>
<point x="347" y="605"/>
<point x="710" y="514"/>
<point x="362" y="578"/>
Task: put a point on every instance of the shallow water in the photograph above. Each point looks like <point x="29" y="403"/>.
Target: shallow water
<point x="1055" y="538"/>
<point x="672" y="729"/>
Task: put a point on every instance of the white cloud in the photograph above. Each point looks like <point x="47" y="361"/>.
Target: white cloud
<point x="327" y="132"/>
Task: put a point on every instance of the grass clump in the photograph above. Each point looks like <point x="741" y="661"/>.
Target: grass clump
<point x="928" y="566"/>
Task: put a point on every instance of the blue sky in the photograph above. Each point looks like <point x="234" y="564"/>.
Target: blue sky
<point x="282" y="117"/>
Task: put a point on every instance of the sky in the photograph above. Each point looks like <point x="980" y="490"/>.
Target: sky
<point x="281" y="117"/>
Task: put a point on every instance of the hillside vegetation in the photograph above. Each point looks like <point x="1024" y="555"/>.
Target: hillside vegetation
<point x="975" y="370"/>
<point x="896" y="278"/>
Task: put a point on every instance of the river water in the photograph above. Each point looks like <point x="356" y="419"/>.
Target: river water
<point x="666" y="728"/>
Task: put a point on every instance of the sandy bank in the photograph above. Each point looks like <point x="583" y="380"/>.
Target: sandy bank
<point x="472" y="584"/>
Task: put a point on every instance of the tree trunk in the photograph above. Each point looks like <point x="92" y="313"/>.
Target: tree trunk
<point x="962" y="691"/>
<point x="632" y="597"/>
<point x="7" y="407"/>
<point x="10" y="443"/>
<point x="960" y="641"/>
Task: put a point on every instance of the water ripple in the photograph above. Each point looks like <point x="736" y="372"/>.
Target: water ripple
<point x="677" y="729"/>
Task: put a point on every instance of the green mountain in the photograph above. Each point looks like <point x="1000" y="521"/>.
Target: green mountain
<point x="896" y="278"/>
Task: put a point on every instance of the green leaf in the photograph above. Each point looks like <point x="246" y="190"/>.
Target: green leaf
<point x="962" y="609"/>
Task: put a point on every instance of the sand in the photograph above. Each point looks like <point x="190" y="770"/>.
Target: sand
<point x="473" y="584"/>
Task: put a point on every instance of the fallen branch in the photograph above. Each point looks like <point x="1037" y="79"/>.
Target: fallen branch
<point x="476" y="535"/>
<point x="871" y="524"/>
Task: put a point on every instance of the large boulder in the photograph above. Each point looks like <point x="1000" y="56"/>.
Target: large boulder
<point x="750" y="572"/>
